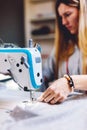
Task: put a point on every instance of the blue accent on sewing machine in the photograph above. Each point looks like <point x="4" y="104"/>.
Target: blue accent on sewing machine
<point x="30" y="62"/>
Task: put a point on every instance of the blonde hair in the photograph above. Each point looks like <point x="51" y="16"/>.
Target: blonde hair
<point x="83" y="32"/>
<point x="65" y="47"/>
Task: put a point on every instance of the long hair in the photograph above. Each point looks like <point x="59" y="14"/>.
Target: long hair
<point x="64" y="40"/>
<point x="83" y="33"/>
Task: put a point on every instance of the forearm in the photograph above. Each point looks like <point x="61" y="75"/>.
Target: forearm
<point x="80" y="82"/>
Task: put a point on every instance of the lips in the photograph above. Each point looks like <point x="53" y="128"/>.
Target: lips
<point x="69" y="27"/>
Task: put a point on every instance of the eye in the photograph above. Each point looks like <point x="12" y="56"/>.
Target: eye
<point x="67" y="14"/>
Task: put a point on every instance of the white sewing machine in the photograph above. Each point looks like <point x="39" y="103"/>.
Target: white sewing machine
<point x="24" y="65"/>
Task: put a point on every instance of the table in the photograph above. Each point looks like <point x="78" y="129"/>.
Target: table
<point x="18" y="114"/>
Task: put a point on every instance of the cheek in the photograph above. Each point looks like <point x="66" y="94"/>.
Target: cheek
<point x="75" y="20"/>
<point x="76" y="17"/>
<point x="75" y="26"/>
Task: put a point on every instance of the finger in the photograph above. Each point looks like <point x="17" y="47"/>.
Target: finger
<point x="56" y="100"/>
<point x="40" y="98"/>
<point x="49" y="98"/>
<point x="62" y="99"/>
<point x="45" y="94"/>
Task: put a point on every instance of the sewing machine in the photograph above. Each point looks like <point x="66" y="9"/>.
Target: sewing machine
<point x="24" y="65"/>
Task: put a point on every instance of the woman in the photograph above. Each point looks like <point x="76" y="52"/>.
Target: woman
<point x="72" y="38"/>
<point x="66" y="54"/>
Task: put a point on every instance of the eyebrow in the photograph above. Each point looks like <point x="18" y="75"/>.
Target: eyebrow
<point x="65" y="13"/>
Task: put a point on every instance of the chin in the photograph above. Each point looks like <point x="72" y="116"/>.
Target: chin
<point x="72" y="32"/>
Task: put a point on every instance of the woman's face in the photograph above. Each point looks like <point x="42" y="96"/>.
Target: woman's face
<point x="70" y="17"/>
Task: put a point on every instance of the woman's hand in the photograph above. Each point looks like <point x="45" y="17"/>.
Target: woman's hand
<point x="57" y="92"/>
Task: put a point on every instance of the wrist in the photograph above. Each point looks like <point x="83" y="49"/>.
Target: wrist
<point x="67" y="88"/>
<point x="69" y="82"/>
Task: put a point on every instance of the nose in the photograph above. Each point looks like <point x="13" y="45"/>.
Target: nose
<point x="64" y="21"/>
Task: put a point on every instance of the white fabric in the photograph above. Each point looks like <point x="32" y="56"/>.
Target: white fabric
<point x="69" y="115"/>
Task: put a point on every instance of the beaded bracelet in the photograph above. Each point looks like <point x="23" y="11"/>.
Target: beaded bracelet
<point x="70" y="81"/>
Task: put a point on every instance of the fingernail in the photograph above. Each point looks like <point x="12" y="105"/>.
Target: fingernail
<point x="40" y="99"/>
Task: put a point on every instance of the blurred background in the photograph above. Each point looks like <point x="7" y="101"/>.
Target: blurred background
<point x="12" y="21"/>
<point x="21" y="20"/>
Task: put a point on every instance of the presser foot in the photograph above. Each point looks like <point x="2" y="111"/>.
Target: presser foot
<point x="32" y="94"/>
